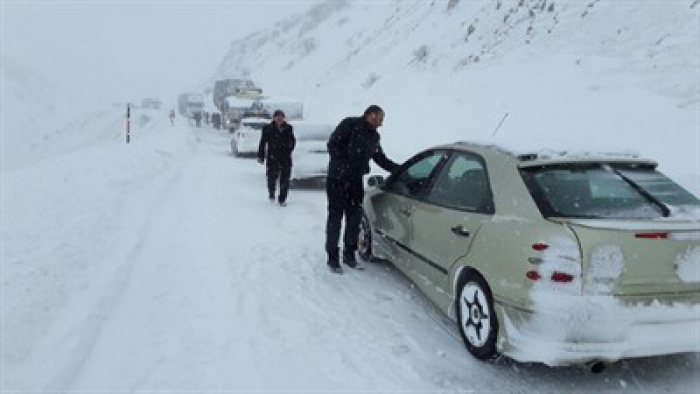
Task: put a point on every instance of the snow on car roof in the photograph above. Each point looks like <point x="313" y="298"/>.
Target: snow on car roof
<point x="531" y="156"/>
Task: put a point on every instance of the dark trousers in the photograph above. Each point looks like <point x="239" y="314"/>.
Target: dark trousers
<point x="344" y="199"/>
<point x="282" y="171"/>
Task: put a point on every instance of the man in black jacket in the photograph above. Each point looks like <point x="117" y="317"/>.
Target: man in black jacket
<point x="278" y="141"/>
<point x="353" y="143"/>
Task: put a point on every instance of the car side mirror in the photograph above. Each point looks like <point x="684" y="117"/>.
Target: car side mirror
<point x="375" y="181"/>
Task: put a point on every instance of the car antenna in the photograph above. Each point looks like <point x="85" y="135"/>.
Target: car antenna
<point x="499" y="125"/>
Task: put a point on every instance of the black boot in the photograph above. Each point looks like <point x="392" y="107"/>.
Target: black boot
<point x="333" y="262"/>
<point x="349" y="259"/>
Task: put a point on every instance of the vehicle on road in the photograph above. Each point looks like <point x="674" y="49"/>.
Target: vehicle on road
<point x="544" y="257"/>
<point x="246" y="138"/>
<point x="191" y="104"/>
<point x="235" y="109"/>
<point x="229" y="87"/>
<point x="310" y="157"/>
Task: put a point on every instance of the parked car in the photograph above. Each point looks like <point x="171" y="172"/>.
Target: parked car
<point x="310" y="157"/>
<point x="191" y="105"/>
<point x="553" y="258"/>
<point x="246" y="138"/>
<point x="236" y="109"/>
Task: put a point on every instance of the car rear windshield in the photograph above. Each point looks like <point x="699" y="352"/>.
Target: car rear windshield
<point x="612" y="191"/>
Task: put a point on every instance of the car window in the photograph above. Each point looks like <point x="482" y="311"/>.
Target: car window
<point x="661" y="187"/>
<point x="411" y="180"/>
<point x="462" y="184"/>
<point x="587" y="191"/>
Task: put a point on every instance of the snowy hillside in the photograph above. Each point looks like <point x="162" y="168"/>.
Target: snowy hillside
<point x="39" y="121"/>
<point x="568" y="74"/>
<point x="28" y="103"/>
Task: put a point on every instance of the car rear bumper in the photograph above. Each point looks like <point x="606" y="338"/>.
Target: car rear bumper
<point x="569" y="329"/>
<point x="309" y="166"/>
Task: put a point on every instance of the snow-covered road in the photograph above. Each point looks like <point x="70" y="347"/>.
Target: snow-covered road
<point x="160" y="266"/>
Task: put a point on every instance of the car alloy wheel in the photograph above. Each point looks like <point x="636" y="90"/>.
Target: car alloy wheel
<point x="478" y="323"/>
<point x="364" y="241"/>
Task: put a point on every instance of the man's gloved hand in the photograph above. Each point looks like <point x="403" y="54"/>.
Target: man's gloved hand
<point x="261" y="161"/>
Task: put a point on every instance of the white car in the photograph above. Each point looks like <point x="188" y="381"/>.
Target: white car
<point x="246" y="138"/>
<point x="310" y="156"/>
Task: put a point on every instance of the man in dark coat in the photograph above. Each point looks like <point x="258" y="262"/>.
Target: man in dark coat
<point x="351" y="146"/>
<point x="276" y="145"/>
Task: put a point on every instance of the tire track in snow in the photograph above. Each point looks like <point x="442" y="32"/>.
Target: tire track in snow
<point x="112" y="292"/>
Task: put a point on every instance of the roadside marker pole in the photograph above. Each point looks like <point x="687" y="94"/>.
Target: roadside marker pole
<point x="128" y="122"/>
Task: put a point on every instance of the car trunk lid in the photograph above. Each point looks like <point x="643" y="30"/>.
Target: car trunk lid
<point x="638" y="257"/>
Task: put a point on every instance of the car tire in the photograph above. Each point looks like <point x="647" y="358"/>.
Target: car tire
<point x="476" y="316"/>
<point x="364" y="240"/>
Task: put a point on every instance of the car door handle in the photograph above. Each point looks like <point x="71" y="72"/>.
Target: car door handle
<point x="405" y="211"/>
<point x="461" y="231"/>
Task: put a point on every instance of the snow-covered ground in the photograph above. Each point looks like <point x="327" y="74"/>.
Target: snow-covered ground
<point x="161" y="266"/>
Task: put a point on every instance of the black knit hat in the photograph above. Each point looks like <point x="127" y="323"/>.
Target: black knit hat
<point x="277" y="113"/>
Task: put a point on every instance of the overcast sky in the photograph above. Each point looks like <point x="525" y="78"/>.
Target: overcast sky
<point x="126" y="50"/>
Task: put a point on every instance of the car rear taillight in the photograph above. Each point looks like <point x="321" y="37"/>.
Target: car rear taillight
<point x="540" y="246"/>
<point x="562" y="277"/>
<point x="651" y="235"/>
<point x="559" y="277"/>
<point x="533" y="275"/>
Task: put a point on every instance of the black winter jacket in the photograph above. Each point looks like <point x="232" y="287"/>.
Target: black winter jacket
<point x="353" y="143"/>
<point x="278" y="143"/>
